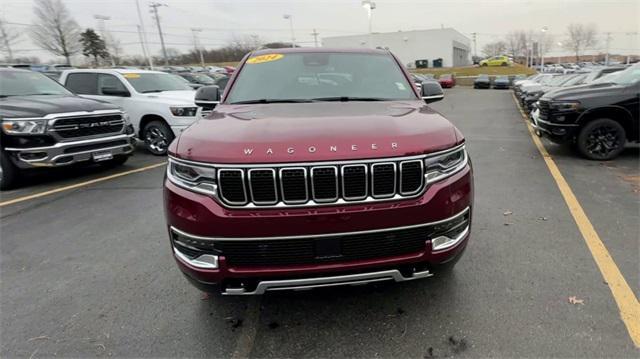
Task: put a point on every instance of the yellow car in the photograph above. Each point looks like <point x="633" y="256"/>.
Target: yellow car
<point x="496" y="61"/>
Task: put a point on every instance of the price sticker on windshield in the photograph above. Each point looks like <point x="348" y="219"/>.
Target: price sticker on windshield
<point x="131" y="76"/>
<point x="265" y="58"/>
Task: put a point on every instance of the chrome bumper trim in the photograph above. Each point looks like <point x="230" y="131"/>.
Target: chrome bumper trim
<point x="310" y="283"/>
<point x="337" y="234"/>
<point x="56" y="152"/>
<point x="205" y="261"/>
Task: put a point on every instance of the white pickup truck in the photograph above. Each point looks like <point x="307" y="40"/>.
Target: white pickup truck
<point x="160" y="105"/>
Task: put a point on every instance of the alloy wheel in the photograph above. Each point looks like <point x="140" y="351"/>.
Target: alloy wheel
<point x="156" y="140"/>
<point x="602" y="141"/>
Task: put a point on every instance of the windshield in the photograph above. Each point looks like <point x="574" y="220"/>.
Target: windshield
<point x="20" y="83"/>
<point x="314" y="76"/>
<point x="203" y="79"/>
<point x="502" y="78"/>
<point x="576" y="80"/>
<point x="155" y="82"/>
<point x="624" y="77"/>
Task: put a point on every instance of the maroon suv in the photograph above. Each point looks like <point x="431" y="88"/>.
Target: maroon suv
<point x="317" y="168"/>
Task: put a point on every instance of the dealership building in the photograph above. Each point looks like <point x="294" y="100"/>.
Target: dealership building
<point x="447" y="44"/>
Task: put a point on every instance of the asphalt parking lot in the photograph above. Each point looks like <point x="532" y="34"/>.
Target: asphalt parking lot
<point x="87" y="271"/>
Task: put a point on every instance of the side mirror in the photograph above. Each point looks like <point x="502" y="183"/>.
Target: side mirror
<point x="113" y="91"/>
<point x="207" y="97"/>
<point x="431" y="91"/>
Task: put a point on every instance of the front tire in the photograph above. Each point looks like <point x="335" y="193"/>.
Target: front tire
<point x="601" y="140"/>
<point x="504" y="64"/>
<point x="484" y="65"/>
<point x="9" y="173"/>
<point x="157" y="136"/>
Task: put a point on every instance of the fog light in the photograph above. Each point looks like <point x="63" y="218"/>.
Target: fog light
<point x="448" y="241"/>
<point x="559" y="131"/>
<point x="207" y="261"/>
<point x="30" y="156"/>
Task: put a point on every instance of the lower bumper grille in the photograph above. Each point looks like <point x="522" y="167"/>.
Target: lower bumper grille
<point x="321" y="249"/>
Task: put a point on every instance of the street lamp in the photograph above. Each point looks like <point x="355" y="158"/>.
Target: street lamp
<point x="544" y="29"/>
<point x="369" y="6"/>
<point x="293" y="37"/>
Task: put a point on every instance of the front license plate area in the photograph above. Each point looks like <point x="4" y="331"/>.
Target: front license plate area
<point x="102" y="156"/>
<point x="326" y="248"/>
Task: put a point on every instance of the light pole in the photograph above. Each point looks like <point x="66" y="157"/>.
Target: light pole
<point x="369" y="6"/>
<point x="154" y="10"/>
<point x="544" y="29"/>
<point x="103" y="32"/>
<point x="293" y="37"/>
<point x="558" y="57"/>
<point x="196" y="43"/>
<point x="143" y="37"/>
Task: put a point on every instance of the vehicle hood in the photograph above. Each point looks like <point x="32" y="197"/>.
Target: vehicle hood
<point x="531" y="87"/>
<point x="581" y="91"/>
<point x="272" y="133"/>
<point x="482" y="80"/>
<point x="38" y="106"/>
<point x="172" y="97"/>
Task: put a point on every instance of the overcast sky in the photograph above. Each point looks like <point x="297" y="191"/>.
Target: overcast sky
<point x="221" y="20"/>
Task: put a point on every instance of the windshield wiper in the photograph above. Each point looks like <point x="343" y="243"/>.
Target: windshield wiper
<point x="150" y="91"/>
<point x="264" y="100"/>
<point x="348" y="98"/>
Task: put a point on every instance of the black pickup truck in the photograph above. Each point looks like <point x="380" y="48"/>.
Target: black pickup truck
<point x="599" y="118"/>
<point x="46" y="125"/>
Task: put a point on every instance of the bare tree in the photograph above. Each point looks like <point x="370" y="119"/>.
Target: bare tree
<point x="517" y="43"/>
<point x="54" y="29"/>
<point x="494" y="48"/>
<point x="7" y="38"/>
<point x="580" y="37"/>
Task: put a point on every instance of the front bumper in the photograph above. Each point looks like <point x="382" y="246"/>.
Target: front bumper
<point x="69" y="152"/>
<point x="202" y="218"/>
<point x="558" y="133"/>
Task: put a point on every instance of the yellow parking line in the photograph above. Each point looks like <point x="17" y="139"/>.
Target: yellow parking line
<point x="625" y="298"/>
<point x="77" y="185"/>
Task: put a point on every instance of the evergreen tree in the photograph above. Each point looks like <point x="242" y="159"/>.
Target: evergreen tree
<point x="93" y="46"/>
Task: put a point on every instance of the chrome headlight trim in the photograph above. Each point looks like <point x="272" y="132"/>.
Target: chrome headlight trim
<point x="203" y="178"/>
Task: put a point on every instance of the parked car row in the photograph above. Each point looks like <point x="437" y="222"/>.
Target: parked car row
<point x="445" y="80"/>
<point x="531" y="90"/>
<point x="91" y="115"/>
<point x="597" y="113"/>
<point x="483" y="81"/>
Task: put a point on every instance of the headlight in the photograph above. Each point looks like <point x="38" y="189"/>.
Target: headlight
<point x="24" y="127"/>
<point x="126" y="118"/>
<point x="445" y="165"/>
<point x="184" y="111"/>
<point x="565" y="106"/>
<point x="197" y="178"/>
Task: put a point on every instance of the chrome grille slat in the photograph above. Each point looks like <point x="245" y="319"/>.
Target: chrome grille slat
<point x="294" y="188"/>
<point x="384" y="188"/>
<point x="324" y="184"/>
<point x="406" y="167"/>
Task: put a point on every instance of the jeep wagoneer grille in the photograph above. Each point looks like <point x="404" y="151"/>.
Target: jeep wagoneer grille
<point x="320" y="183"/>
